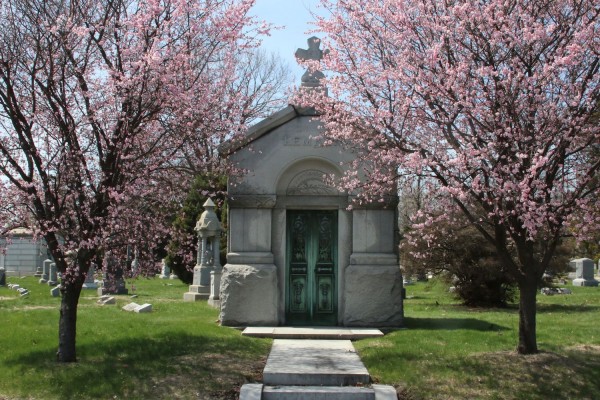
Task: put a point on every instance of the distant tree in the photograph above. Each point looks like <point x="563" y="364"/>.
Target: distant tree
<point x="491" y="102"/>
<point x="261" y="80"/>
<point x="258" y="89"/>
<point x="97" y="98"/>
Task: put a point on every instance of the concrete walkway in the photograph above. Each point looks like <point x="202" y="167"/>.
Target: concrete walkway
<point x="302" y="369"/>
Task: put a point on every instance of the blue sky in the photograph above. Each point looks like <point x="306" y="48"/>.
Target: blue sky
<point x="295" y="16"/>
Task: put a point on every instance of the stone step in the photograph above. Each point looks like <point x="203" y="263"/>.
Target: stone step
<point x="314" y="363"/>
<point x="317" y="393"/>
<point x="312" y="332"/>
<point x="257" y="391"/>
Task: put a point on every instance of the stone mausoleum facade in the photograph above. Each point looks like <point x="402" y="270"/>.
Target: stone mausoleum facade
<point x="297" y="255"/>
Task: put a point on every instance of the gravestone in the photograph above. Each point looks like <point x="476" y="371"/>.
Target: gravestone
<point x="297" y="253"/>
<point x="106" y="300"/>
<point x="55" y="291"/>
<point x="165" y="271"/>
<point x="45" y="271"/>
<point x="113" y="282"/>
<point x="52" y="275"/>
<point x="135" y="264"/>
<point x="130" y="307"/>
<point x="2" y="277"/>
<point x="90" y="282"/>
<point x="584" y="272"/>
<point x="144" y="308"/>
<point x="39" y="271"/>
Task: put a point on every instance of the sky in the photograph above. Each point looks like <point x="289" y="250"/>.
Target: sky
<point x="294" y="16"/>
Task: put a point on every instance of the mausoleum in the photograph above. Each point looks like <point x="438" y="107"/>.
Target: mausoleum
<point x="24" y="254"/>
<point x="297" y="254"/>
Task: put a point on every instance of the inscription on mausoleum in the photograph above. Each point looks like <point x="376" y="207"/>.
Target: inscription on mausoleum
<point x="300" y="141"/>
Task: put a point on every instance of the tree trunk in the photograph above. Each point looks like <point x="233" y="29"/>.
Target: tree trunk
<point x="67" y="324"/>
<point x="527" y="314"/>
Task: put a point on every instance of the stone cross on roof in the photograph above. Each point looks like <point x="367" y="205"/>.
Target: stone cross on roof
<point x="311" y="78"/>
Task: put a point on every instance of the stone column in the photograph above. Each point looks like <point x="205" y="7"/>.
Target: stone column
<point x="215" y="275"/>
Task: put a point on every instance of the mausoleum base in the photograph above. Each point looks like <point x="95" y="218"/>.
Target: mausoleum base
<point x="373" y="296"/>
<point x="249" y="295"/>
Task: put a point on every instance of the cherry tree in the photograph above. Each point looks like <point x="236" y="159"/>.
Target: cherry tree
<point x="97" y="100"/>
<point x="489" y="103"/>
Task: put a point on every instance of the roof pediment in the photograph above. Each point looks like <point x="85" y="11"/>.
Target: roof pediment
<point x="265" y="126"/>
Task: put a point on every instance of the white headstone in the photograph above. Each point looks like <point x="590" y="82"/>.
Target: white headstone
<point x="144" y="308"/>
<point x="130" y="307"/>
<point x="165" y="272"/>
<point x="52" y="275"/>
<point x="45" y="271"/>
<point x="90" y="283"/>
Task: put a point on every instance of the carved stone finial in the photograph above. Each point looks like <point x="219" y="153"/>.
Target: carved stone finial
<point x="208" y="224"/>
<point x="311" y="78"/>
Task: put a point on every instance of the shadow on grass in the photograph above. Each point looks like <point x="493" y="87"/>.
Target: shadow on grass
<point x="151" y="367"/>
<point x="450" y="324"/>
<point x="571" y="374"/>
<point x="563" y="308"/>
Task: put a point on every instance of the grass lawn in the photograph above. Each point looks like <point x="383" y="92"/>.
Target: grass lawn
<point x="176" y="352"/>
<point x="180" y="352"/>
<point x="453" y="352"/>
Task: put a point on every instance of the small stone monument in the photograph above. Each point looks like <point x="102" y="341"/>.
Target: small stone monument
<point x="2" y="277"/>
<point x="45" y="271"/>
<point x="208" y="259"/>
<point x="165" y="272"/>
<point x="90" y="283"/>
<point x="52" y="275"/>
<point x="135" y="264"/>
<point x="584" y="272"/>
<point x="39" y="271"/>
<point x="113" y="278"/>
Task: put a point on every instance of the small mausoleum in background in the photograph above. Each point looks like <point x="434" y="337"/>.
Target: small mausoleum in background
<point x="24" y="254"/>
<point x="296" y="254"/>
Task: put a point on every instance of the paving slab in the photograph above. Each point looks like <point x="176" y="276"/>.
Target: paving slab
<point x="251" y="391"/>
<point x="314" y="363"/>
<point x="334" y="333"/>
<point x="317" y="393"/>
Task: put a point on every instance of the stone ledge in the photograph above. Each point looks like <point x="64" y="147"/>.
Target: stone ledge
<point x="292" y="332"/>
<point x="369" y="260"/>
<point x="265" y="257"/>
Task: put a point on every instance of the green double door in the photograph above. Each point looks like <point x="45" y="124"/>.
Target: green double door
<point x="311" y="292"/>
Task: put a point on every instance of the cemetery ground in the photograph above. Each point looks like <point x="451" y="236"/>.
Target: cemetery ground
<point x="178" y="351"/>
